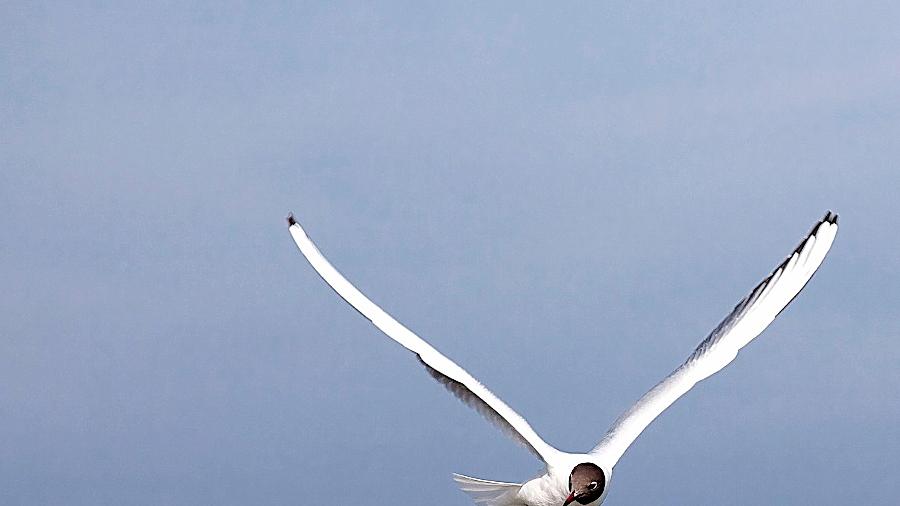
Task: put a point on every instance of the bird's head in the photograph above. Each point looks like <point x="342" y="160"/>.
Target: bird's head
<point x="586" y="484"/>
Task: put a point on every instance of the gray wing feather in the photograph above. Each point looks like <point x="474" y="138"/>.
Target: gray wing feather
<point x="444" y="370"/>
<point x="468" y="398"/>
<point x="746" y="321"/>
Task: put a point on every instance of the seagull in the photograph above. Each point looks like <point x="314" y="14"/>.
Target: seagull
<point x="584" y="478"/>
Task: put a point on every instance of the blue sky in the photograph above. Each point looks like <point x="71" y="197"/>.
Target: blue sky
<point x="543" y="193"/>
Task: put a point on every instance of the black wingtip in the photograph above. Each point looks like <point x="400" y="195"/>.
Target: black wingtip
<point x="830" y="217"/>
<point x="290" y="220"/>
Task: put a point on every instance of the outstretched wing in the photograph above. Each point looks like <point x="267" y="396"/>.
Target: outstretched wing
<point x="444" y="370"/>
<point x="748" y="319"/>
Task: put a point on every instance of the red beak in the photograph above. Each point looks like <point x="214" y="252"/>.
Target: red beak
<point x="569" y="499"/>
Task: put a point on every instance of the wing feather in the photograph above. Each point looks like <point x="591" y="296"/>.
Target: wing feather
<point x="747" y="320"/>
<point x="444" y="370"/>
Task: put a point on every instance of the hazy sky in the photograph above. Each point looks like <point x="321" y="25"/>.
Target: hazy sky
<point x="565" y="201"/>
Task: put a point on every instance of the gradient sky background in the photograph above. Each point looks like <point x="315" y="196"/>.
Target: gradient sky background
<point x="565" y="201"/>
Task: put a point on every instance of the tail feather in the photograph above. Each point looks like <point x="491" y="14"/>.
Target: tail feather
<point x="489" y="493"/>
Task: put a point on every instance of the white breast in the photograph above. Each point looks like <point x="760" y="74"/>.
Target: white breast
<point x="545" y="490"/>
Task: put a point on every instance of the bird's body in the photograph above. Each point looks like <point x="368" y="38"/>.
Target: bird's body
<point x="552" y="487"/>
<point x="583" y="478"/>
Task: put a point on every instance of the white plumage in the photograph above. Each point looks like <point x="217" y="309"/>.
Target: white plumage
<point x="552" y="488"/>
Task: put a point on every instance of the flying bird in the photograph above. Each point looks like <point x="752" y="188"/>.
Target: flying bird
<point x="584" y="478"/>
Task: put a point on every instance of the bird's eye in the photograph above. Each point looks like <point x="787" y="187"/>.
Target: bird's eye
<point x="592" y="485"/>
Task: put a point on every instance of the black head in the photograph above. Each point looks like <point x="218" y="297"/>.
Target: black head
<point x="586" y="484"/>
